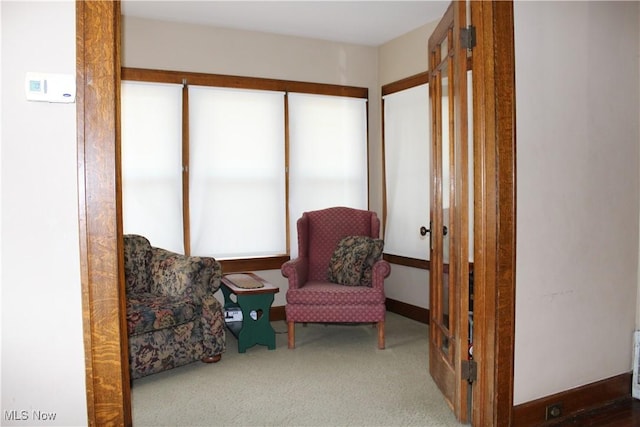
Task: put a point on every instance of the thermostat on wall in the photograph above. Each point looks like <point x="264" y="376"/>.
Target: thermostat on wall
<point x="49" y="87"/>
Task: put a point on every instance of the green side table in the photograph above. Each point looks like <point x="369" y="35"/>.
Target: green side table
<point x="255" y="304"/>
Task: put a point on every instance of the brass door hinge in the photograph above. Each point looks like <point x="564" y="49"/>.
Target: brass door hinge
<point x="468" y="37"/>
<point x="469" y="370"/>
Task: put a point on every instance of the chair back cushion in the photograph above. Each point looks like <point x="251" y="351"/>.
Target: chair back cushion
<point x="178" y="275"/>
<point x="137" y="264"/>
<point x="319" y="233"/>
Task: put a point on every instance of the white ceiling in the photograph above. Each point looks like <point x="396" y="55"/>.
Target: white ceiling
<point x="369" y="23"/>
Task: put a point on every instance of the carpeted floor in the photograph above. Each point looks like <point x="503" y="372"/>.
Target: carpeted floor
<point x="335" y="376"/>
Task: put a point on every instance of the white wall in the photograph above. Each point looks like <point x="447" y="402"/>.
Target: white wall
<point x="577" y="107"/>
<point x="406" y="55"/>
<point x="42" y="345"/>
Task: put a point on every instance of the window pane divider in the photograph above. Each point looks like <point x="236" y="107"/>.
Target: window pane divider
<point x="186" y="215"/>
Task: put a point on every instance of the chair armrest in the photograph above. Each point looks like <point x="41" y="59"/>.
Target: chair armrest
<point x="173" y="274"/>
<point x="212" y="274"/>
<point x="297" y="271"/>
<point x="381" y="269"/>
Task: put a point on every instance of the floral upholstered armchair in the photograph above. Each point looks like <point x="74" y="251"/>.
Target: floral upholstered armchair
<point x="339" y="273"/>
<point x="172" y="316"/>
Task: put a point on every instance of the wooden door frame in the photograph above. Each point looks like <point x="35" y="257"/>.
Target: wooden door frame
<point x="105" y="338"/>
<point x="495" y="212"/>
<point x="100" y="222"/>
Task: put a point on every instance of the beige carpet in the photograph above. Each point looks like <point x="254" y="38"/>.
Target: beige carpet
<point x="336" y="376"/>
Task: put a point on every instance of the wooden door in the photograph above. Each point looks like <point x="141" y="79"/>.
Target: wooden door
<point x="449" y="272"/>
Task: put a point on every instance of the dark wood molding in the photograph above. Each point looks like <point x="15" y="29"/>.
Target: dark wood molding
<point x="503" y="59"/>
<point x="406" y="261"/>
<point x="277" y="313"/>
<point x="241" y="82"/>
<point x="574" y="402"/>
<point x="413" y="312"/>
<point x="253" y="264"/>
<point x="102" y="275"/>
<point x="406" y="83"/>
<point x="416" y="263"/>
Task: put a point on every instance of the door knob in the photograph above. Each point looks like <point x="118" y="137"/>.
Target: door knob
<point x="424" y="230"/>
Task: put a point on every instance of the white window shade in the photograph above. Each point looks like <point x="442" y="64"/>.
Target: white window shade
<point x="407" y="137"/>
<point x="151" y="144"/>
<point x="328" y="155"/>
<point x="237" y="172"/>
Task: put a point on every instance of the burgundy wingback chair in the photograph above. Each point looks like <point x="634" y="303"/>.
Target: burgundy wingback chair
<point x="311" y="297"/>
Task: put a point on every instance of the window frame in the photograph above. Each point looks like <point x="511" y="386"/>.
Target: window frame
<point x="185" y="79"/>
<point x="390" y="88"/>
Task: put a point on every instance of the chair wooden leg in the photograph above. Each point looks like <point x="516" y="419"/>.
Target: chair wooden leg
<point x="381" y="335"/>
<point x="291" y="335"/>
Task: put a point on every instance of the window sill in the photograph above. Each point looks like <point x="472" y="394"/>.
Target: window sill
<point x="253" y="264"/>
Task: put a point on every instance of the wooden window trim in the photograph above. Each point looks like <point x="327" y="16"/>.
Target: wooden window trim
<point x="240" y="82"/>
<point x="186" y="213"/>
<point x="237" y="265"/>
<point x="406" y="83"/>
